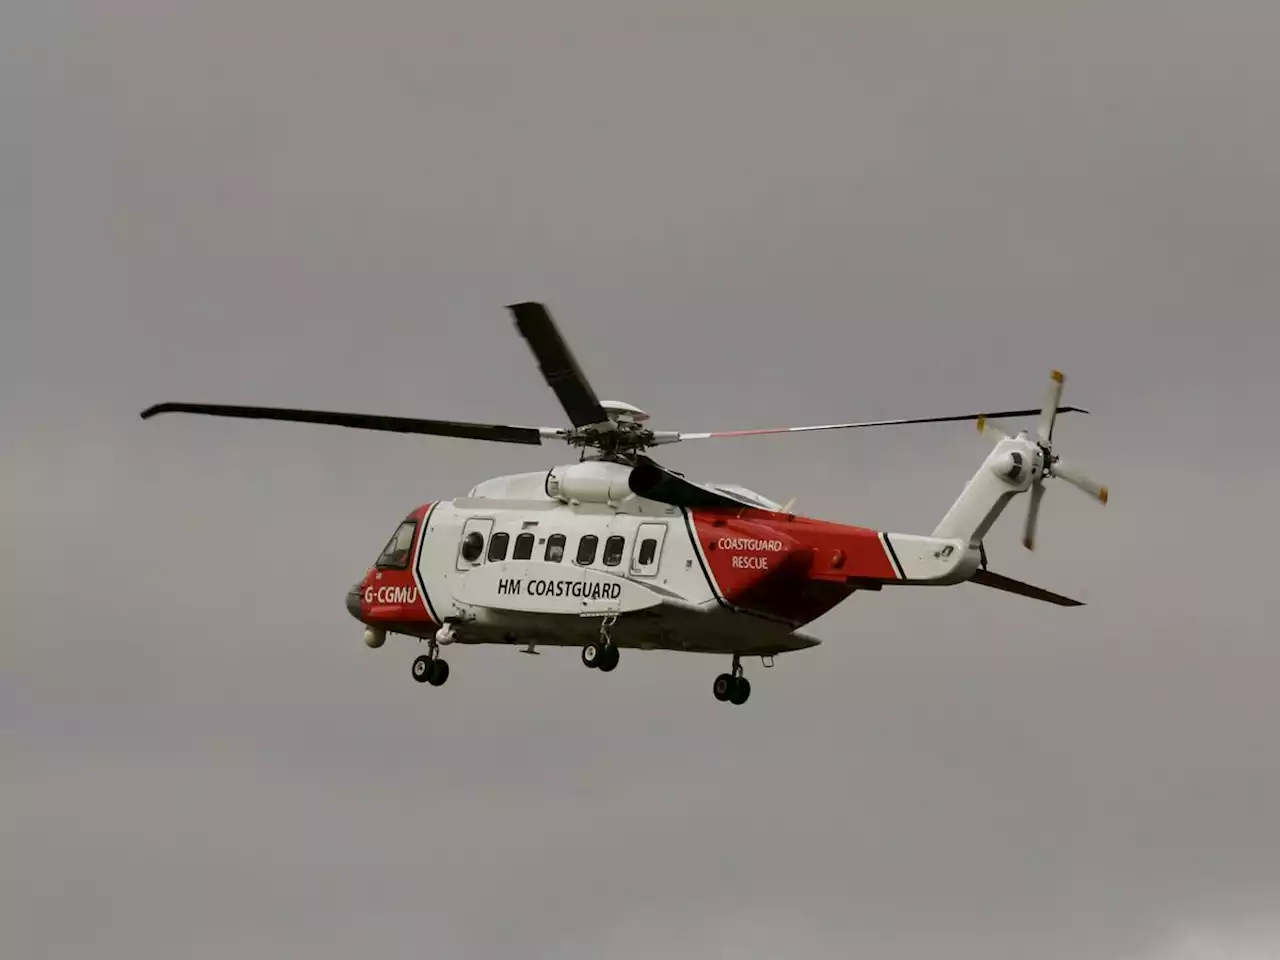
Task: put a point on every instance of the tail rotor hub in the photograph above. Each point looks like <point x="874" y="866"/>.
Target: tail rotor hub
<point x="1051" y="464"/>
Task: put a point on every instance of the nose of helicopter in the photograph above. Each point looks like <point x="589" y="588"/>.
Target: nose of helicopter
<point x="353" y="602"/>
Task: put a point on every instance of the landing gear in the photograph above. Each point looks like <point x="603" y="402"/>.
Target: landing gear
<point x="602" y="654"/>
<point x="430" y="668"/>
<point x="732" y="687"/>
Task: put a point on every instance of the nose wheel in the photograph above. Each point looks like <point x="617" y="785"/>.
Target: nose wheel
<point x="430" y="668"/>
<point x="732" y="687"/>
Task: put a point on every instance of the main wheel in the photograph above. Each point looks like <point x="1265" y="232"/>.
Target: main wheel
<point x="740" y="690"/>
<point x="592" y="654"/>
<point x="438" y="673"/>
<point x="608" y="658"/>
<point x="422" y="669"/>
<point x="724" y="686"/>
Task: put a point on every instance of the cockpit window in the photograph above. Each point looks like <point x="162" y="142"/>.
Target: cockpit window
<point x="395" y="555"/>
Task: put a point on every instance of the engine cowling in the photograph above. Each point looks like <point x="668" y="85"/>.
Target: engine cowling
<point x="591" y="481"/>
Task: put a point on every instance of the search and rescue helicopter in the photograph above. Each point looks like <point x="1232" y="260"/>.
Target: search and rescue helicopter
<point x="616" y="551"/>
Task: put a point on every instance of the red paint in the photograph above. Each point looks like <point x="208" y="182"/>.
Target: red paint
<point x="780" y="565"/>
<point x="392" y="596"/>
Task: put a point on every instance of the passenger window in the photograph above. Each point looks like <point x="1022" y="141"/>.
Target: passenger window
<point x="587" y="549"/>
<point x="498" y="546"/>
<point x="613" y="551"/>
<point x="472" y="546"/>
<point x="395" y="555"/>
<point x="524" y="547"/>
<point x="648" y="547"/>
<point x="555" y="548"/>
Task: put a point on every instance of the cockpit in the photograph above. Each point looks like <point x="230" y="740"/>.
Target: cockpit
<point x="395" y="555"/>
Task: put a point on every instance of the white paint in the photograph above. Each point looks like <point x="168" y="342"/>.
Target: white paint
<point x="592" y="481"/>
<point x="532" y="586"/>
<point x="386" y="594"/>
<point x="989" y="491"/>
<point x="931" y="559"/>
<point x="674" y="571"/>
<point x="657" y="532"/>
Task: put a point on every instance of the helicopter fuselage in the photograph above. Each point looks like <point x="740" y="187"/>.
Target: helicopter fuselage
<point x="523" y="568"/>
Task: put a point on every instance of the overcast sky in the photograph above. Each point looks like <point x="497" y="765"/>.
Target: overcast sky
<point x="739" y="220"/>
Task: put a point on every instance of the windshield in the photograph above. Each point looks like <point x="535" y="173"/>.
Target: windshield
<point x="395" y="555"/>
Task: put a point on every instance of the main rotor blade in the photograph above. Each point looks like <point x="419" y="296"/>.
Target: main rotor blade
<point x="363" y="421"/>
<point x="995" y="414"/>
<point x="653" y="481"/>
<point x="559" y="368"/>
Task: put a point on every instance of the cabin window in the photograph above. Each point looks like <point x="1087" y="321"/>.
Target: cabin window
<point x="498" y="546"/>
<point x="587" y="549"/>
<point x="555" y="548"/>
<point x="613" y="551"/>
<point x="524" y="547"/>
<point x="472" y="546"/>
<point x="395" y="555"/>
<point x="648" y="547"/>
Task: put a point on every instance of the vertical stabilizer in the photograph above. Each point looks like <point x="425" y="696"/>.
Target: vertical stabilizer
<point x="1006" y="472"/>
<point x="1017" y="464"/>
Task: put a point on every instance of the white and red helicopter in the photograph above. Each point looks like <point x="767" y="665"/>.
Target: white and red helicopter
<point x="616" y="551"/>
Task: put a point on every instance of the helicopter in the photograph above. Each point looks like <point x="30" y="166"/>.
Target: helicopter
<point x="617" y="552"/>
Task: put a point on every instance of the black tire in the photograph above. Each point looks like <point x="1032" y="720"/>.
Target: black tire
<point x="740" y="690"/>
<point x="439" y="673"/>
<point x="723" y="686"/>
<point x="422" y="669"/>
<point x="592" y="654"/>
<point x="608" y="659"/>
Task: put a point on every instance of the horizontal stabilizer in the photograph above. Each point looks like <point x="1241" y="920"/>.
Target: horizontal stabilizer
<point x="1009" y="585"/>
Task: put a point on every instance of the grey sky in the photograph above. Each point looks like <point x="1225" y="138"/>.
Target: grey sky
<point x="739" y="220"/>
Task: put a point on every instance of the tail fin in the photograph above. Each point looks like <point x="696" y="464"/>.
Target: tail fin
<point x="1006" y="472"/>
<point x="1017" y="464"/>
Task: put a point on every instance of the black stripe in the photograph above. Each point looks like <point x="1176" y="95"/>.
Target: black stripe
<point x="693" y="538"/>
<point x="417" y="563"/>
<point x="893" y="554"/>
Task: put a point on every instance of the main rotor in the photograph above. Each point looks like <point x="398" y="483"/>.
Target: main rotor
<point x="611" y="429"/>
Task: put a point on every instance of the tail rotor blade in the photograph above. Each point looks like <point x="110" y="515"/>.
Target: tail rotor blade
<point x="988" y="425"/>
<point x="1049" y="412"/>
<point x="1033" y="514"/>
<point x="1078" y="480"/>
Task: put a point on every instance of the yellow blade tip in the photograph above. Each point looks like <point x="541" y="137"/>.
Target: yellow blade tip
<point x="1057" y="376"/>
<point x="981" y="423"/>
<point x="1103" y="494"/>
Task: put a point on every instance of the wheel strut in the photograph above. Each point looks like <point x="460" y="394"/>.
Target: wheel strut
<point x="602" y="654"/>
<point x="430" y="668"/>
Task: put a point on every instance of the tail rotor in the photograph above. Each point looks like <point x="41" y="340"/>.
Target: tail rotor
<point x="1051" y="464"/>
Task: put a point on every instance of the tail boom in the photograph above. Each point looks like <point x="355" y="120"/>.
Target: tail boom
<point x="1007" y="472"/>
